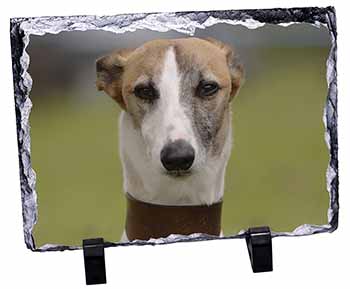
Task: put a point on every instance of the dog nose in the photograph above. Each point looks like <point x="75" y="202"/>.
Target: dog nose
<point x="177" y="155"/>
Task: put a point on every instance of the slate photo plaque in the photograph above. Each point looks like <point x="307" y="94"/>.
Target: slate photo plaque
<point x="155" y="128"/>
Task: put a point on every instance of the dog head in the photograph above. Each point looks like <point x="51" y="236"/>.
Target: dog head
<point x="177" y="93"/>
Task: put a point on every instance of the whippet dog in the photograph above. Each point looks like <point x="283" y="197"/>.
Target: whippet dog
<point x="175" y="131"/>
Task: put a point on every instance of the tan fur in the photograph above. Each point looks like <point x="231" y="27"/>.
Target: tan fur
<point x="109" y="74"/>
<point x="146" y="61"/>
<point x="236" y="68"/>
<point x="117" y="71"/>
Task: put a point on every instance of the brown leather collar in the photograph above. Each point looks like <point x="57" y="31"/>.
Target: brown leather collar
<point x="146" y="220"/>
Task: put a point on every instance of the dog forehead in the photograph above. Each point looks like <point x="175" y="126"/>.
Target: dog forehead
<point x="146" y="60"/>
<point x="200" y="55"/>
<point x="198" y="49"/>
<point x="191" y="54"/>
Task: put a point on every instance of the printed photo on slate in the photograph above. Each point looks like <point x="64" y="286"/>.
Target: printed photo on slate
<point x="166" y="127"/>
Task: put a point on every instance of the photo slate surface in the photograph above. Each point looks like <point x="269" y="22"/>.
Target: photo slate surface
<point x="182" y="22"/>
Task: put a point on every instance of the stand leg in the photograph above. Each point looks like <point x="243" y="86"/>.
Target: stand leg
<point x="259" y="243"/>
<point x="94" y="260"/>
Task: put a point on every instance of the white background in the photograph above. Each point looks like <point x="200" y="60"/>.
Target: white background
<point x="318" y="261"/>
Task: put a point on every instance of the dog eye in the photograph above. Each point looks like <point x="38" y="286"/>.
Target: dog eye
<point x="146" y="92"/>
<point x="207" y="88"/>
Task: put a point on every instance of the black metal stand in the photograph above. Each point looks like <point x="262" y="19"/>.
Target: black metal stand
<point x="259" y="243"/>
<point x="94" y="260"/>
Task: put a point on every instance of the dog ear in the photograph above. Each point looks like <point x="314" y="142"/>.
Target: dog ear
<point x="109" y="70"/>
<point x="234" y="64"/>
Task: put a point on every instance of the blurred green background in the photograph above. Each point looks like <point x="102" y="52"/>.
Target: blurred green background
<point x="276" y="174"/>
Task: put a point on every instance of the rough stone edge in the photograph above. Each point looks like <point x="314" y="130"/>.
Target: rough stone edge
<point x="22" y="85"/>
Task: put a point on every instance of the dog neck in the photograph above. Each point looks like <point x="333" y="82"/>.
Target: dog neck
<point x="146" y="220"/>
